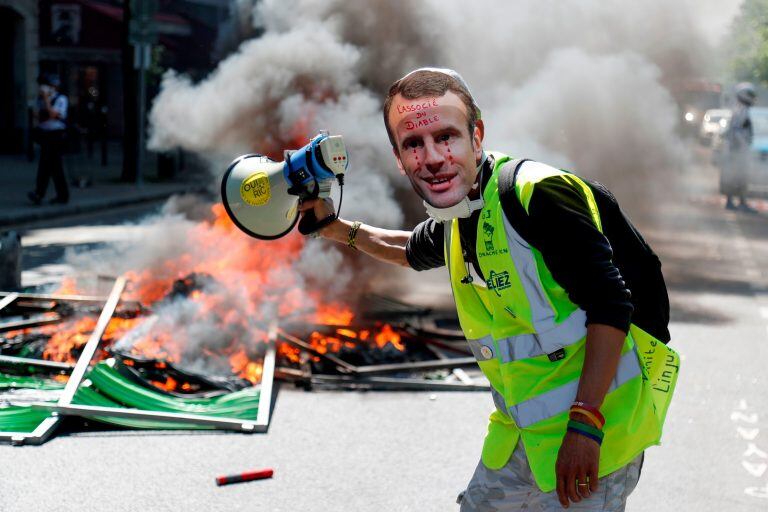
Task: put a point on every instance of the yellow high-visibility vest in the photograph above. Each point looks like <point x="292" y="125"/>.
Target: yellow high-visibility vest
<point x="528" y="338"/>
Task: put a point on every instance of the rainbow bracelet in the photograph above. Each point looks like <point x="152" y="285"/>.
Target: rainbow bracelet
<point x="591" y="408"/>
<point x="588" y="414"/>
<point x="586" y="430"/>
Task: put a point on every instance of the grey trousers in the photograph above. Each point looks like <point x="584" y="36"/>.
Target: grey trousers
<point x="513" y="488"/>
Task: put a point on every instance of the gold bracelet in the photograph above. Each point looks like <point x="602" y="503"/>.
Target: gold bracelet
<point x="353" y="234"/>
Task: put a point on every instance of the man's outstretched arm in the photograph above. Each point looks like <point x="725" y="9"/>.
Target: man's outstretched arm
<point x="387" y="245"/>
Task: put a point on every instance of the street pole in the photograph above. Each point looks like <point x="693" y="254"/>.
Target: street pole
<point x="142" y="58"/>
<point x="129" y="95"/>
<point x="143" y="34"/>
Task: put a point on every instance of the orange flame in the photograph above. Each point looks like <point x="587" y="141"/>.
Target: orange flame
<point x="73" y="335"/>
<point x="258" y="281"/>
<point x="387" y="335"/>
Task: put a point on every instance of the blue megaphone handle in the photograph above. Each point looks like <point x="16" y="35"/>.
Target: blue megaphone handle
<point x="305" y="165"/>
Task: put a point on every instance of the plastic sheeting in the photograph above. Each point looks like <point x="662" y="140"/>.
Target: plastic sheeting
<point x="104" y="386"/>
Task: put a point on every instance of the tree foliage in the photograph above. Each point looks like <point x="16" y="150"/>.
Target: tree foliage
<point x="748" y="42"/>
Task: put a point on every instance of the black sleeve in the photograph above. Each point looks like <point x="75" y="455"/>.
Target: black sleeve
<point x="424" y="250"/>
<point x="577" y="253"/>
<point x="640" y="267"/>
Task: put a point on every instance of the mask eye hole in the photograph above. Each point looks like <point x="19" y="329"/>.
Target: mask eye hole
<point x="412" y="143"/>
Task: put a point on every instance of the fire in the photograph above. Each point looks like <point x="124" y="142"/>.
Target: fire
<point x="289" y="352"/>
<point x="387" y="335"/>
<point x="334" y="314"/>
<point x="157" y="346"/>
<point x="68" y="286"/>
<point x="170" y="383"/>
<point x="350" y="338"/>
<point x="243" y="367"/>
<point x="68" y="339"/>
<point x="228" y="288"/>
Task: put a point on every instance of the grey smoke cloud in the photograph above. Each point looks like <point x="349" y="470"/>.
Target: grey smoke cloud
<point x="586" y="85"/>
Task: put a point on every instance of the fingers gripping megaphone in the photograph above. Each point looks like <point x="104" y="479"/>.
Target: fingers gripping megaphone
<point x="262" y="196"/>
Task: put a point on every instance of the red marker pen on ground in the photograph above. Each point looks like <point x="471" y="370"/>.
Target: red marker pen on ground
<point x="259" y="474"/>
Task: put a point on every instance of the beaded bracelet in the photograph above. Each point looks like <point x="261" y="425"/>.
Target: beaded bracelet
<point x="353" y="233"/>
<point x="586" y="430"/>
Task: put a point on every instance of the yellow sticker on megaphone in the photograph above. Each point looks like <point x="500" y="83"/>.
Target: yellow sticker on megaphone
<point x="255" y="189"/>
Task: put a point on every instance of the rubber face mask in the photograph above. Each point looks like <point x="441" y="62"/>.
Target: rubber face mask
<point x="464" y="208"/>
<point x="436" y="151"/>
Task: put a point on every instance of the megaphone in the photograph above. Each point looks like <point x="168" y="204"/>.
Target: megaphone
<point x="262" y="196"/>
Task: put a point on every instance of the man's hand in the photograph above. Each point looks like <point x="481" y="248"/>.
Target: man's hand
<point x="577" y="463"/>
<point x="322" y="208"/>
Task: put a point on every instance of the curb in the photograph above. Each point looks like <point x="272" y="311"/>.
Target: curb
<point x="46" y="212"/>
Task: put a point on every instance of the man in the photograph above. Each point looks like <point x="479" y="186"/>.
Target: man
<point x="738" y="140"/>
<point x="50" y="132"/>
<point x="550" y="325"/>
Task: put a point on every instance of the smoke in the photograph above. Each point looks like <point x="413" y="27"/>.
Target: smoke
<point x="583" y="84"/>
<point x="316" y="67"/>
<point x="579" y="83"/>
<point x="244" y="283"/>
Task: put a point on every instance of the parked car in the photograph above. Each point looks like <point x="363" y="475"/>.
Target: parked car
<point x="713" y="124"/>
<point x="757" y="179"/>
<point x="759" y="117"/>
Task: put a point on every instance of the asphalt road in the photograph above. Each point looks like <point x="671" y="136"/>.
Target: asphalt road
<point x="353" y="451"/>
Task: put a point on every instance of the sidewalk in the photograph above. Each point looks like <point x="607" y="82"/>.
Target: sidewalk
<point x="100" y="190"/>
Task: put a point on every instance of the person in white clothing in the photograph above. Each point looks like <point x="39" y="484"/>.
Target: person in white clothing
<point x="50" y="133"/>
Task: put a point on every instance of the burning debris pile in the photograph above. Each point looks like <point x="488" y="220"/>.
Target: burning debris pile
<point x="197" y="343"/>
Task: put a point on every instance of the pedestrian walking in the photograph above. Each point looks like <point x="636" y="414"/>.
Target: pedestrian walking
<point x="736" y="163"/>
<point x="50" y="133"/>
<point x="541" y="264"/>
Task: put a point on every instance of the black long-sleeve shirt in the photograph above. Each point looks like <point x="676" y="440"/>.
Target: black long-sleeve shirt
<point x="578" y="255"/>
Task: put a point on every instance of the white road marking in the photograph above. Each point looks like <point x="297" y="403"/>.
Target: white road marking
<point x="757" y="492"/>
<point x="748" y="433"/>
<point x="755" y="470"/>
<point x="740" y="416"/>
<point x="752" y="449"/>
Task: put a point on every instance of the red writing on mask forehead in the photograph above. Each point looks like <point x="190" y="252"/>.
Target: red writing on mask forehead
<point x="412" y="125"/>
<point x="415" y="107"/>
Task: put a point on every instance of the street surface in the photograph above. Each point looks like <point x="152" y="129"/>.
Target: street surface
<point x="379" y="451"/>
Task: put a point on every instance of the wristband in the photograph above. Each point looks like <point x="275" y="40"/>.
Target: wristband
<point x="588" y="414"/>
<point x="586" y="431"/>
<point x="353" y="234"/>
<point x="591" y="408"/>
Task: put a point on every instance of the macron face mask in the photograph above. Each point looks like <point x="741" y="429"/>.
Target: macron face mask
<point x="463" y="208"/>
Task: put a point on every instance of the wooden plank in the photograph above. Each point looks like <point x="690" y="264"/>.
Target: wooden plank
<point x="8" y="299"/>
<point x="29" y="324"/>
<point x="93" y="342"/>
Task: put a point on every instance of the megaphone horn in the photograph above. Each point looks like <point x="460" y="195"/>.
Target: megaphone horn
<point x="262" y="196"/>
<point x="256" y="198"/>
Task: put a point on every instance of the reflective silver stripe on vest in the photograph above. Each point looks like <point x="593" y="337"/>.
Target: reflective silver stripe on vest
<point x="482" y="348"/>
<point x="523" y="346"/>
<point x="560" y="399"/>
<point x="499" y="402"/>
<point x="542" y="314"/>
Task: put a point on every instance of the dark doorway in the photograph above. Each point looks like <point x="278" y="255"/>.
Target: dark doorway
<point x="13" y="108"/>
